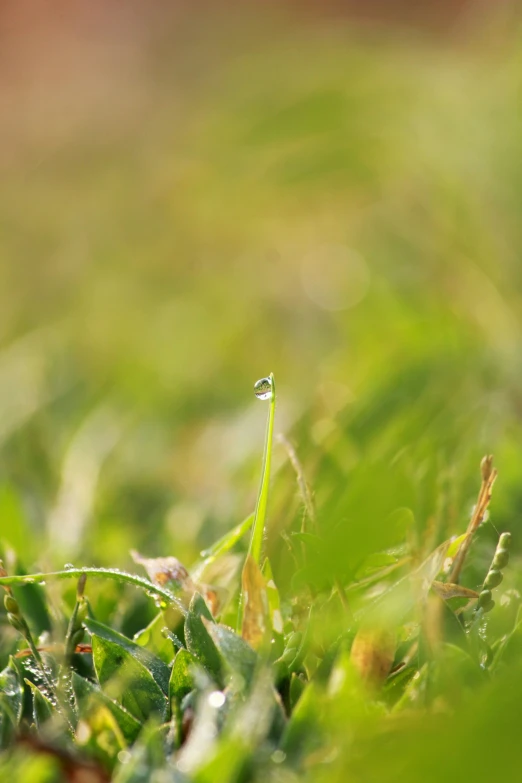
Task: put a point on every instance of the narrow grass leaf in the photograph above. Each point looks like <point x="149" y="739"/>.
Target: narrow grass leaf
<point x="223" y="545"/>
<point x="256" y="542"/>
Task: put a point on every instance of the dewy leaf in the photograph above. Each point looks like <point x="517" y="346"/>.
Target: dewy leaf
<point x="127" y="680"/>
<point x="237" y="655"/>
<point x="11" y="692"/>
<point x="181" y="678"/>
<point x="11" y="702"/>
<point x="43" y="709"/>
<point x="33" y="603"/>
<point x="198" y="606"/>
<point x="159" y="670"/>
<point x="255" y="604"/>
<point x="90" y="697"/>
<point x="198" y="640"/>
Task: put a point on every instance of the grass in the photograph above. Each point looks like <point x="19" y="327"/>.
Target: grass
<point x="189" y="698"/>
<point x="338" y="203"/>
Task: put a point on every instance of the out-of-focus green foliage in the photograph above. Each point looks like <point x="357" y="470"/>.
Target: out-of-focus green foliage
<point x="334" y="203"/>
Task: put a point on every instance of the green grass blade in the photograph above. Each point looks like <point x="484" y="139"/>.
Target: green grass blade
<point x="256" y="542"/>
<point x="222" y="546"/>
<point x="107" y="573"/>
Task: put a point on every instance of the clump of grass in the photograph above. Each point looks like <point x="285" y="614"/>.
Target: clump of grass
<point x="188" y="698"/>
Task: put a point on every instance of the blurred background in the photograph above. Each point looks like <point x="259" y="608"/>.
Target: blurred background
<point x="196" y="194"/>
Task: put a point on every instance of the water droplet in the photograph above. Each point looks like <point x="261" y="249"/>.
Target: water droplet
<point x="263" y="389"/>
<point x="68" y="566"/>
<point x="216" y="699"/>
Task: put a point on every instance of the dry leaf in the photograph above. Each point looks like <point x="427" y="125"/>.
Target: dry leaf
<point x="255" y="604"/>
<point x="170" y="573"/>
<point x="372" y="654"/>
<point x="489" y="474"/>
<point x="165" y="571"/>
<point x="448" y="590"/>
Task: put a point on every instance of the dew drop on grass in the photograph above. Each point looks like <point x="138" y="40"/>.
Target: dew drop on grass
<point x="216" y="699"/>
<point x="263" y="389"/>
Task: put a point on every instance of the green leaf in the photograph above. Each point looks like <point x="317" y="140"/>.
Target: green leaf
<point x="153" y="639"/>
<point x="11" y="703"/>
<point x="226" y="764"/>
<point x="222" y="545"/>
<point x="272" y="594"/>
<point x="100" y="736"/>
<point x="302" y="730"/>
<point x="181" y="678"/>
<point x="147" y="759"/>
<point x="33" y="604"/>
<point x="89" y="697"/>
<point x="415" y="692"/>
<point x="198" y="640"/>
<point x="11" y="691"/>
<point x="127" y="680"/>
<point x="43" y="708"/>
<point x="200" y="607"/>
<point x="158" y="668"/>
<point x="237" y="655"/>
<point x="226" y="542"/>
<point x="455" y="673"/>
<point x="297" y="686"/>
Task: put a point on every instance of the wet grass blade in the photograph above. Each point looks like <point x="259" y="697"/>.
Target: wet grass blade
<point x="256" y="542"/>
